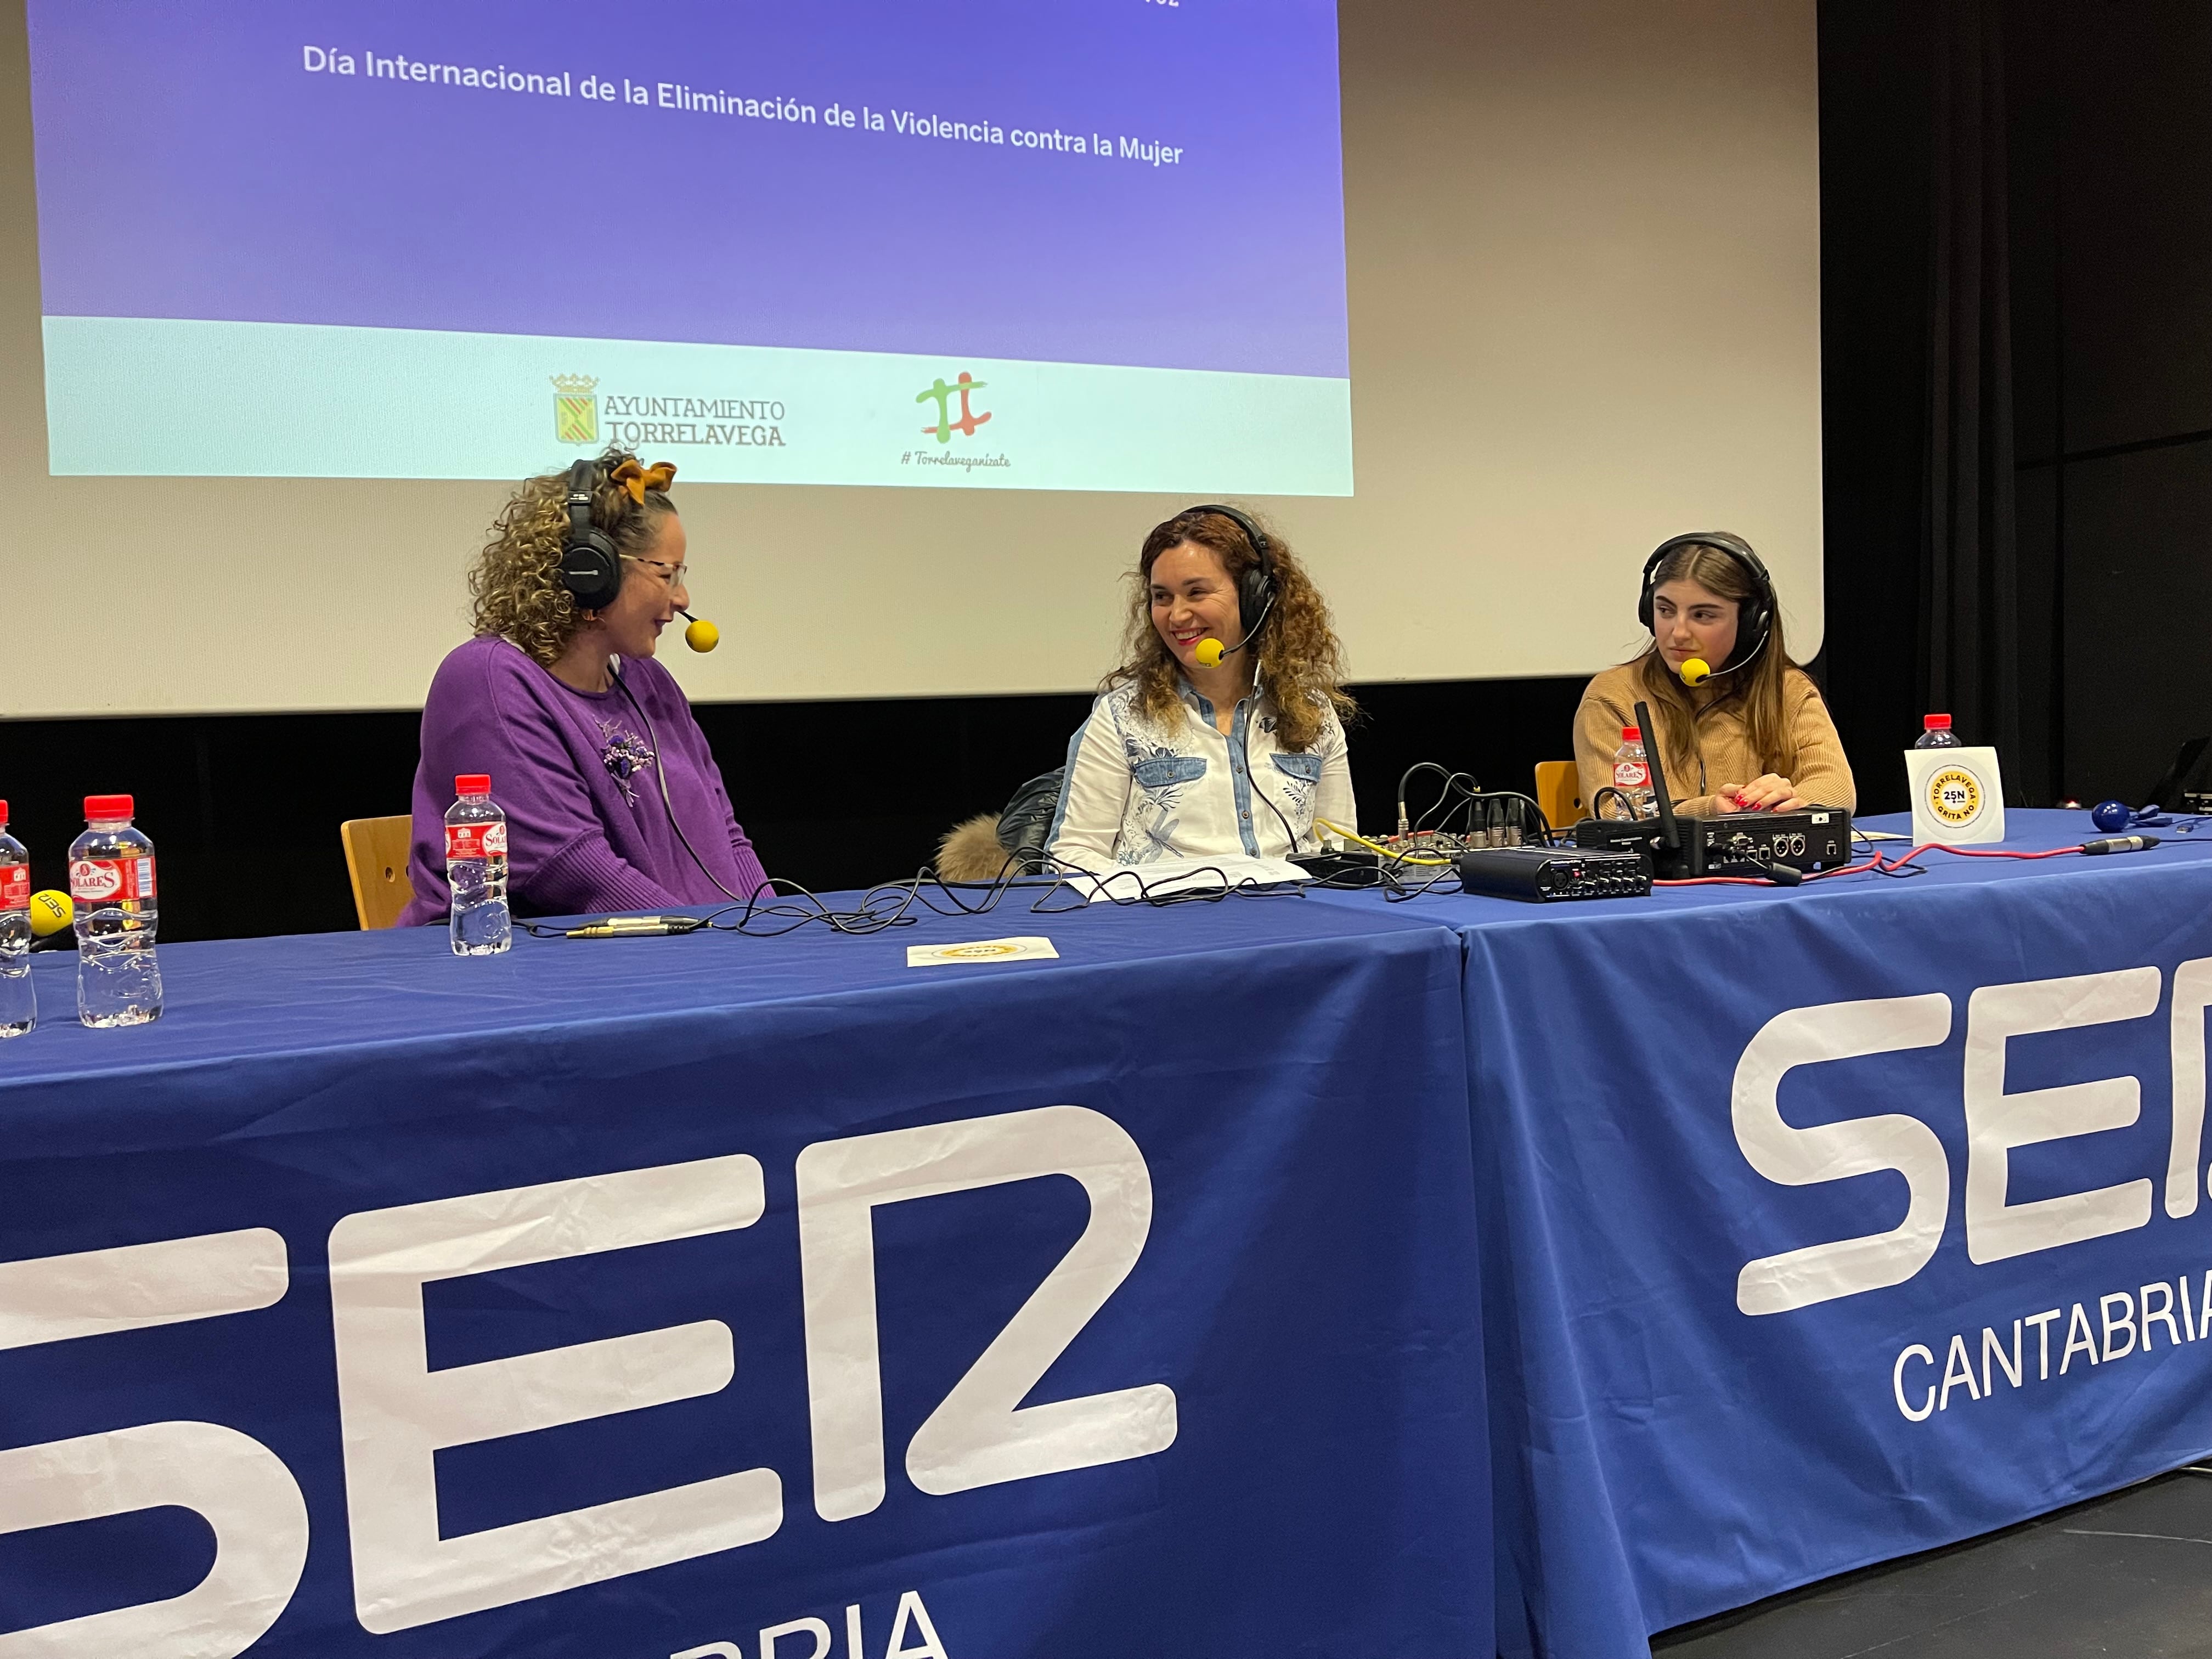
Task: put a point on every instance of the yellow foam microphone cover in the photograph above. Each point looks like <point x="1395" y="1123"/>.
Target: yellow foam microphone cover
<point x="702" y="635"/>
<point x="1696" y="671"/>
<point x="1209" y="654"/>
<point x="51" y="912"/>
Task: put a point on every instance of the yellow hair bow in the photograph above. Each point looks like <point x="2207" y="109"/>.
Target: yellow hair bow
<point x="659" y="476"/>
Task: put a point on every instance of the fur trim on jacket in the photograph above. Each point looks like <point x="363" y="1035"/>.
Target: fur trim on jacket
<point x="970" y="850"/>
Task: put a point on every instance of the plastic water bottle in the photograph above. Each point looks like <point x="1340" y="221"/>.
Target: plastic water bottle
<point x="110" y="866"/>
<point x="476" y="869"/>
<point x="1631" y="773"/>
<point x="1936" y="733"/>
<point x="19" y="1002"/>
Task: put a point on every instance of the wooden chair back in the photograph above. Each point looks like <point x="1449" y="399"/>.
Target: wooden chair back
<point x="1559" y="793"/>
<point x="376" y="858"/>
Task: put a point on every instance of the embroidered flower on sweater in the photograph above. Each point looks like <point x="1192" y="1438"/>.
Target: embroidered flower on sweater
<point x="625" y="756"/>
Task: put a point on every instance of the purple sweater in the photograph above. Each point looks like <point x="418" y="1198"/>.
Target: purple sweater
<point x="575" y="773"/>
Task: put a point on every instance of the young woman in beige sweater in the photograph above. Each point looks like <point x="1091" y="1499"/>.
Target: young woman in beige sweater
<point x="1748" y="731"/>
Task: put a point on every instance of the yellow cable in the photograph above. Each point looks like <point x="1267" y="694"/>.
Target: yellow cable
<point x="1339" y="831"/>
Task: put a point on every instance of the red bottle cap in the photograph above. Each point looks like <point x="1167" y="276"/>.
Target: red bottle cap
<point x="472" y="783"/>
<point x="1935" y="723"/>
<point x="107" y="808"/>
<point x="1631" y="734"/>
<point x="4" y="815"/>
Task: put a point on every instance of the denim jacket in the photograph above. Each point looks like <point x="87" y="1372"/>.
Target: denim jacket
<point x="1138" y="789"/>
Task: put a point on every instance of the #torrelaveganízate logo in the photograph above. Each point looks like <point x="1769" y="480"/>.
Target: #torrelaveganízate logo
<point x="575" y="411"/>
<point x="942" y="395"/>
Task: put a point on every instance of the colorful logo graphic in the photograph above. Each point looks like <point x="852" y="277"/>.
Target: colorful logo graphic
<point x="942" y="393"/>
<point x="1954" y="796"/>
<point x="575" y="411"/>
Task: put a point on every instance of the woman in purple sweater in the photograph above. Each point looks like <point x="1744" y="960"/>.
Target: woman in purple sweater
<point x="586" y="765"/>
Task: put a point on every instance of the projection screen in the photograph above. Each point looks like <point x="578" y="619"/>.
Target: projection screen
<point x="936" y="310"/>
<point x="825" y="244"/>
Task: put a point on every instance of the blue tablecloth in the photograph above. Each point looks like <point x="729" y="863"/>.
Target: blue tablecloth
<point x="699" y="1296"/>
<point x="1980" y="1089"/>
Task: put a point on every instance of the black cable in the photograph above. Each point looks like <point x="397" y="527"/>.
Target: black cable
<point x="1620" y="800"/>
<point x="1401" y="890"/>
<point x="887" y="904"/>
<point x="1470" y="791"/>
<point x="1460" y="790"/>
<point x="1535" y="825"/>
<point x="1405" y="778"/>
<point x="891" y="904"/>
<point x="1103" y="885"/>
<point x="801" y="907"/>
<point x="680" y="924"/>
<point x="660" y="773"/>
<point x="1253" y="779"/>
<point x="1546" y="829"/>
<point x="1476" y="803"/>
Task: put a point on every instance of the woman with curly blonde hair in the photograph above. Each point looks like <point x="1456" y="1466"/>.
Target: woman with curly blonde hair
<point x="590" y="744"/>
<point x="1222" y="731"/>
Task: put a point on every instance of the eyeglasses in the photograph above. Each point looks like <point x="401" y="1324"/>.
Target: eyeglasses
<point x="673" y="574"/>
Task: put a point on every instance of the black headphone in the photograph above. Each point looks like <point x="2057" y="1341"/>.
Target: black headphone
<point x="1756" y="614"/>
<point x="1255" y="589"/>
<point x="589" y="568"/>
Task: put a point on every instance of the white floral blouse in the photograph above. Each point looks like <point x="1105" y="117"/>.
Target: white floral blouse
<point x="1137" y="790"/>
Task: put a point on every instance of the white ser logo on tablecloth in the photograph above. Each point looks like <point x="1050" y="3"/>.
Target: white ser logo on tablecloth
<point x="2042" y="1344"/>
<point x="1997" y="1120"/>
<point x="397" y="1413"/>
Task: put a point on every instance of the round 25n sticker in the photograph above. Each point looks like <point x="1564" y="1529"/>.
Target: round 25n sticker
<point x="1954" y="796"/>
<point x="979" y="950"/>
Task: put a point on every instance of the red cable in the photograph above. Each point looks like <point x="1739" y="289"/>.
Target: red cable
<point x="1874" y="863"/>
<point x="1877" y="862"/>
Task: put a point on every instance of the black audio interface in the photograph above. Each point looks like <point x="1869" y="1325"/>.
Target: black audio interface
<point x="1545" y="875"/>
<point x="1730" y="844"/>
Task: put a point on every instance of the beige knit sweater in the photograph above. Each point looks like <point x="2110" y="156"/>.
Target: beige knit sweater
<point x="1823" y="774"/>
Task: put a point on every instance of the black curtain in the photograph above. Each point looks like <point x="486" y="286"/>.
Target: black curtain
<point x="1970" y="658"/>
<point x="1930" y="605"/>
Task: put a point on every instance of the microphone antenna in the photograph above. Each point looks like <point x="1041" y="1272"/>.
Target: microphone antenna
<point x="1669" y="834"/>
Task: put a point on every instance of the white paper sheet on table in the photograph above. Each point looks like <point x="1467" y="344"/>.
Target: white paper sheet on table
<point x="1027" y="948"/>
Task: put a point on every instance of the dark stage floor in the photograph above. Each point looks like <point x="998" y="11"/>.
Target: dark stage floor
<point x="2130" y="1575"/>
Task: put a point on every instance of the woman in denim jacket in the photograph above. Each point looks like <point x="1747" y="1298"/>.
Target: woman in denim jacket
<point x="1222" y="731"/>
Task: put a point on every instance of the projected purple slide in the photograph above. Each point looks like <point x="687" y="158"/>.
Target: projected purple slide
<point x="1114" y="181"/>
<point x="1137" y="184"/>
